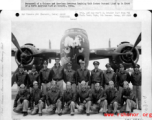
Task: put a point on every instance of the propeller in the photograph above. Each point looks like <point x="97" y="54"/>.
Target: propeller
<point x="137" y="42"/>
<point x="130" y="53"/>
<point x="15" y="42"/>
<point x="24" y="53"/>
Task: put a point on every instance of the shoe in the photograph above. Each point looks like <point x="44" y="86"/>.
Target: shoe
<point x="25" y="114"/>
<point x="116" y="113"/>
<point x="88" y="114"/>
<point x="59" y="114"/>
<point x="139" y="108"/>
<point x="100" y="111"/>
<point x="40" y="114"/>
<point x="72" y="114"/>
<point x="104" y="113"/>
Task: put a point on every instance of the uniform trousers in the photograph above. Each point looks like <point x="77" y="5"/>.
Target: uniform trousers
<point x="102" y="106"/>
<point x="69" y="108"/>
<point x="55" y="107"/>
<point x="137" y="92"/>
<point x="84" y="106"/>
<point x="38" y="108"/>
<point x="128" y="106"/>
<point x="22" y="107"/>
<point x="113" y="107"/>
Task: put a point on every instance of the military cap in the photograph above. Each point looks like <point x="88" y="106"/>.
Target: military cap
<point x="82" y="62"/>
<point x="96" y="63"/>
<point x="69" y="64"/>
<point x="33" y="67"/>
<point x="45" y="62"/>
<point x="111" y="82"/>
<point x="57" y="58"/>
<point x="21" y="66"/>
<point x="108" y="65"/>
<point x="22" y="86"/>
<point x="137" y="66"/>
<point x="121" y="65"/>
<point x="35" y="82"/>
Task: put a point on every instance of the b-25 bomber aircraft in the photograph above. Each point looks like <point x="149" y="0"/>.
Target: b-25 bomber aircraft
<point x="74" y="46"/>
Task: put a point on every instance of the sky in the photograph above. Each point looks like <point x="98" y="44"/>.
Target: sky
<point x="99" y="33"/>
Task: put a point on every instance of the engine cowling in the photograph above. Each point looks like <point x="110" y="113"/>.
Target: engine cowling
<point x="24" y="58"/>
<point x="125" y="59"/>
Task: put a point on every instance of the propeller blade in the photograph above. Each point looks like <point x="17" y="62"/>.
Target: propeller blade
<point x="133" y="64"/>
<point x="137" y="42"/>
<point x="15" y="42"/>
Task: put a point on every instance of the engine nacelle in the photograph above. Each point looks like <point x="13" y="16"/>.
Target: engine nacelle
<point x="125" y="59"/>
<point x="24" y="58"/>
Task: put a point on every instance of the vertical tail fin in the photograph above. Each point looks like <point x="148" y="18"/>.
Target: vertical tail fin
<point x="49" y="44"/>
<point x="49" y="48"/>
<point x="109" y="43"/>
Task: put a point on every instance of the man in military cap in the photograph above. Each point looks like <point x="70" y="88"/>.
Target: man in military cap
<point x="108" y="75"/>
<point x="54" y="99"/>
<point x="57" y="73"/>
<point x="84" y="98"/>
<point x="34" y="76"/>
<point x="37" y="99"/>
<point x="136" y="82"/>
<point x="111" y="94"/>
<point x="99" y="99"/>
<point x="83" y="74"/>
<point x="21" y="101"/>
<point x="21" y="77"/>
<point x="68" y="100"/>
<point x="121" y="76"/>
<point x="70" y="76"/>
<point x="96" y="75"/>
<point x="45" y="77"/>
<point x="128" y="102"/>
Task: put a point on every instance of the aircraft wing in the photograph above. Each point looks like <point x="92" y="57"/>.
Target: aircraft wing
<point x="47" y="53"/>
<point x="101" y="53"/>
<point x="106" y="53"/>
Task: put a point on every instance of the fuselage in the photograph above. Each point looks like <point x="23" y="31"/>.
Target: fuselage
<point x="74" y="47"/>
